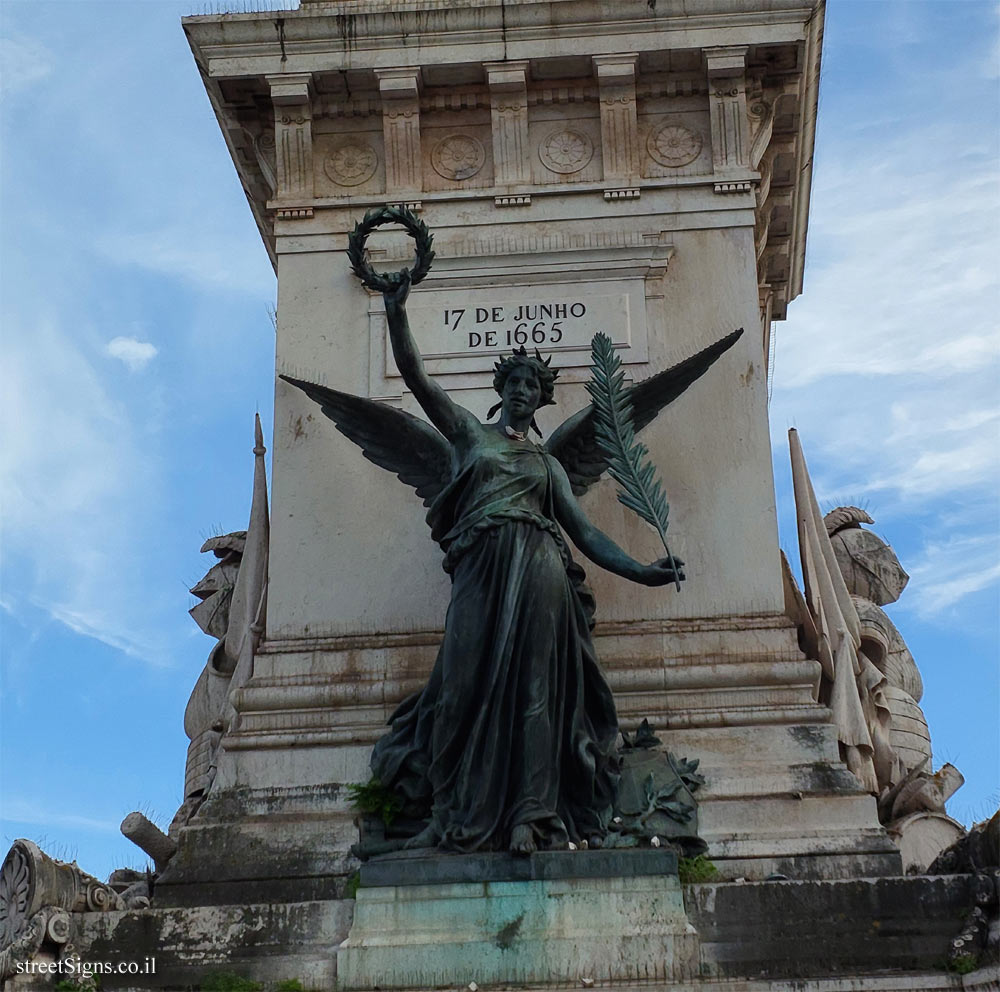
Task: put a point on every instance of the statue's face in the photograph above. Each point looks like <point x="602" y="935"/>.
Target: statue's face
<point x="522" y="392"/>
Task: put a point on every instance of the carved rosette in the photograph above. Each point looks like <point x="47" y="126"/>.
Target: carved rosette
<point x="458" y="157"/>
<point x="565" y="151"/>
<point x="351" y="164"/>
<point x="674" y="145"/>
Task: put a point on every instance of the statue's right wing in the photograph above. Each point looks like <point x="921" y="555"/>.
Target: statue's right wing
<point x="393" y="439"/>
<point x="574" y="442"/>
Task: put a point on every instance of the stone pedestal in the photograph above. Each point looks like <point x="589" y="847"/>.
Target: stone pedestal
<point x="553" y="918"/>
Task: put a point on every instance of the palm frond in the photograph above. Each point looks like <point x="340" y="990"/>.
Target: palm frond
<point x="614" y="431"/>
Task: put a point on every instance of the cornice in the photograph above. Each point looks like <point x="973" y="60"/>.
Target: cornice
<point x="427" y="32"/>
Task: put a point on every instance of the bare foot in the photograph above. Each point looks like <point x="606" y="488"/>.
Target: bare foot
<point x="428" y="837"/>
<point x="522" y="840"/>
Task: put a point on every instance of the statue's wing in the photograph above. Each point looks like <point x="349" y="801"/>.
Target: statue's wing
<point x="573" y="442"/>
<point x="393" y="439"/>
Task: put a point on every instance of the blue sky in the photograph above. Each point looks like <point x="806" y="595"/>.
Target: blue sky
<point x="137" y="343"/>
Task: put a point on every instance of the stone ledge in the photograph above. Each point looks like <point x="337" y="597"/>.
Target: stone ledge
<point x="438" y="869"/>
<point x="864" y="935"/>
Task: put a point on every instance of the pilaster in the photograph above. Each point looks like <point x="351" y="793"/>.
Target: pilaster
<point x="291" y="95"/>
<point x="400" y="90"/>
<point x="509" y="116"/>
<point x="727" y="95"/>
<point x="619" y="124"/>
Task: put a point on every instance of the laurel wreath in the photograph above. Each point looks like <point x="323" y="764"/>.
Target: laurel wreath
<point x="388" y="282"/>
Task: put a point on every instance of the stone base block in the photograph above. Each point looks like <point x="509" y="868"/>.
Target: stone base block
<point x="269" y="943"/>
<point x="865" y="935"/>
<point x="540" y="930"/>
<point x="814" y="929"/>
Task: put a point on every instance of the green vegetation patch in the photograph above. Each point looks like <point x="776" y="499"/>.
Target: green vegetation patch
<point x="374" y="798"/>
<point x="693" y="871"/>
<point x="227" y="981"/>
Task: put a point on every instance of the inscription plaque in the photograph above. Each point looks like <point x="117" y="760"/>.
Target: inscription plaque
<point x="467" y="323"/>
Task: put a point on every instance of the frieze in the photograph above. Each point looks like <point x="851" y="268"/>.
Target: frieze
<point x="565" y="151"/>
<point x="648" y="88"/>
<point x="555" y="95"/>
<point x="674" y="145"/>
<point x="458" y="157"/>
<point x="526" y="245"/>
<point x="351" y="163"/>
<point x="358" y="106"/>
<point x="455" y="100"/>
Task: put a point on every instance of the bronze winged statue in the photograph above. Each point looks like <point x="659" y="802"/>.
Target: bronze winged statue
<point x="512" y="742"/>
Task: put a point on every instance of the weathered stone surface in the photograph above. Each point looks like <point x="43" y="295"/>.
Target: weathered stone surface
<point x="922" y="836"/>
<point x="267" y="845"/>
<point x="268" y="942"/>
<point x="811" y="929"/>
<point x="149" y="838"/>
<point x="41" y="903"/>
<point x="522" y="932"/>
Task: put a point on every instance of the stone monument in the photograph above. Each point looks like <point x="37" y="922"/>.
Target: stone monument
<point x="584" y="168"/>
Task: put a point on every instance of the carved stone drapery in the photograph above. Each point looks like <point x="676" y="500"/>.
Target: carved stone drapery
<point x="509" y="117"/>
<point x="619" y="123"/>
<point x="400" y="89"/>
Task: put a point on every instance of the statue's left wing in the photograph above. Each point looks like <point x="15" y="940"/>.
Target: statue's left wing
<point x="573" y="443"/>
<point x="393" y="439"/>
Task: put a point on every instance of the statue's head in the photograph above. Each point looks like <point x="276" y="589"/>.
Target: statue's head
<point x="869" y="565"/>
<point x="536" y="368"/>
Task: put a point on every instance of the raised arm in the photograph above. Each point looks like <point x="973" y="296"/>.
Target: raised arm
<point x="597" y="546"/>
<point x="453" y="421"/>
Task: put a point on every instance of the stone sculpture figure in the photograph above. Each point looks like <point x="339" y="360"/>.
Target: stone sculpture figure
<point x="869" y="678"/>
<point x="233" y="596"/>
<point x="512" y="742"/>
<point x="874" y="577"/>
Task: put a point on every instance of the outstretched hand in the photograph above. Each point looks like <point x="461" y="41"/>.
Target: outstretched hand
<point x="663" y="571"/>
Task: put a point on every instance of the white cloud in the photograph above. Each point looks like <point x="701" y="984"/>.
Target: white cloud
<point x="135" y="354"/>
<point x="76" y="485"/>
<point x="207" y="261"/>
<point x="904" y="285"/>
<point x="23" y="62"/>
<point x="890" y="363"/>
<point x="951" y="570"/>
